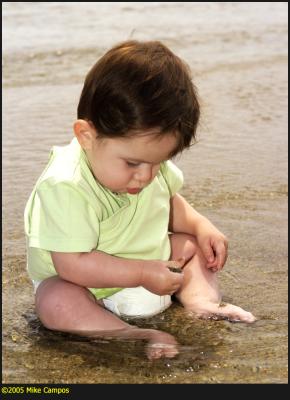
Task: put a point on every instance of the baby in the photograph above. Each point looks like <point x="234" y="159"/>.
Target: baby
<point x="106" y="229"/>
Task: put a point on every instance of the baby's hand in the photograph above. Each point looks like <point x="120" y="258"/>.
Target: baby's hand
<point x="158" y="276"/>
<point x="216" y="250"/>
<point x="213" y="244"/>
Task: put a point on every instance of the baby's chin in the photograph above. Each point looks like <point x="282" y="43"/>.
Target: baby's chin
<point x="126" y="191"/>
<point x="118" y="191"/>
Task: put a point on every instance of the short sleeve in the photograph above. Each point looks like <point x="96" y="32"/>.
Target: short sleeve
<point x="61" y="219"/>
<point x="173" y="176"/>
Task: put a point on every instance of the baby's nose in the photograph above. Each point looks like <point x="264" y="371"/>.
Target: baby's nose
<point x="144" y="174"/>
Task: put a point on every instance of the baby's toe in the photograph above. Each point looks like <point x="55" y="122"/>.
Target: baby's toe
<point x="158" y="350"/>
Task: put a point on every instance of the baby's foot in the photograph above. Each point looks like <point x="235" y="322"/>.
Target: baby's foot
<point x="220" y="311"/>
<point x="161" y="345"/>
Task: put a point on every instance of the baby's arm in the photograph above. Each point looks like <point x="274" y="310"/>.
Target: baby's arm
<point x="185" y="219"/>
<point x="98" y="269"/>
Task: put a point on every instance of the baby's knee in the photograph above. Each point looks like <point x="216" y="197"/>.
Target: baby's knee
<point x="183" y="245"/>
<point x="49" y="304"/>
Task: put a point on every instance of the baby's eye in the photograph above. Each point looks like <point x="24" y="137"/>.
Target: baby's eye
<point x="132" y="164"/>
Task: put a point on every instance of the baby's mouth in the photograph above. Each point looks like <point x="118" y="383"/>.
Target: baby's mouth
<point x="134" y="190"/>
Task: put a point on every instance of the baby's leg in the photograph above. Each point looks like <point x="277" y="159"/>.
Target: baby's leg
<point x="67" y="307"/>
<point x="199" y="292"/>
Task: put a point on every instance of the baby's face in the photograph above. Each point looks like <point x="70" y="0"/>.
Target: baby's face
<point x="127" y="165"/>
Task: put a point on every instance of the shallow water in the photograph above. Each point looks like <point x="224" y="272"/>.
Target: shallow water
<point x="236" y="175"/>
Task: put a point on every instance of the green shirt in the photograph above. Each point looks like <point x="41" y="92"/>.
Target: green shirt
<point x="69" y="211"/>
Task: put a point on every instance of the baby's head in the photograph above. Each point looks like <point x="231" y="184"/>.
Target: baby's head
<point x="138" y="93"/>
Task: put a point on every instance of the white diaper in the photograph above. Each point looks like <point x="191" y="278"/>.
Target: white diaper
<point x="133" y="302"/>
<point x="35" y="285"/>
<point x="136" y="302"/>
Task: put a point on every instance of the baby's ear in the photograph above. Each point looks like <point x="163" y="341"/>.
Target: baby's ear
<point x="84" y="133"/>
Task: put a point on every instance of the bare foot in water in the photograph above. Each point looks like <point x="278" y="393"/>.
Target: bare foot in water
<point x="219" y="311"/>
<point x="161" y="345"/>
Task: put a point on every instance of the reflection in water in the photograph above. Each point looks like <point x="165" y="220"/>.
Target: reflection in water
<point x="198" y="343"/>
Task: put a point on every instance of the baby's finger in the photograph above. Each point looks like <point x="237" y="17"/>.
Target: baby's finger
<point x="208" y="252"/>
<point x="212" y="263"/>
<point x="177" y="279"/>
<point x="221" y="256"/>
<point x="176" y="286"/>
<point x="181" y="261"/>
<point x="176" y="282"/>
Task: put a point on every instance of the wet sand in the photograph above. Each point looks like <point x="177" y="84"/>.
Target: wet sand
<point x="211" y="351"/>
<point x="236" y="175"/>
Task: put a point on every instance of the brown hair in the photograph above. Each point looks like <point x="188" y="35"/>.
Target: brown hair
<point x="139" y="86"/>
